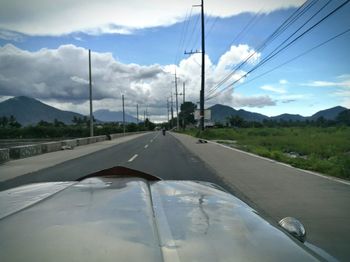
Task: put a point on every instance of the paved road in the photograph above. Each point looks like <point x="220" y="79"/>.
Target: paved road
<point x="159" y="155"/>
<point x="273" y="189"/>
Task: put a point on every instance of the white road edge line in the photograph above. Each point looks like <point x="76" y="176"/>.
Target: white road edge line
<point x="283" y="164"/>
<point x="133" y="158"/>
<point x="146" y="146"/>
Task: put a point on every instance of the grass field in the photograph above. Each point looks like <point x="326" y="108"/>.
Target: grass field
<point x="322" y="149"/>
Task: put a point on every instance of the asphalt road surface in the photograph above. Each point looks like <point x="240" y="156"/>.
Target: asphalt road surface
<point x="273" y="189"/>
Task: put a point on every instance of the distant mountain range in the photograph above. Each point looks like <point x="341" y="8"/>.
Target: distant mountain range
<point x="29" y="111"/>
<point x="219" y="113"/>
<point x="112" y="116"/>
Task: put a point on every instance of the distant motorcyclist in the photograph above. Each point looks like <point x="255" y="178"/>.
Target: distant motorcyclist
<point x="163" y="131"/>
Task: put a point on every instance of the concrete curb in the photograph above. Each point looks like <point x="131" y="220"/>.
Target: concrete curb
<point x="4" y="155"/>
<point x="18" y="152"/>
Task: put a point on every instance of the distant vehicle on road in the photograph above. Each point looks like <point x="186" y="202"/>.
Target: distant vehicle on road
<point x="120" y="214"/>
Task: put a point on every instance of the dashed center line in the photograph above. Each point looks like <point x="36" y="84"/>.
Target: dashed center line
<point x="146" y="146"/>
<point x="151" y="140"/>
<point x="133" y="158"/>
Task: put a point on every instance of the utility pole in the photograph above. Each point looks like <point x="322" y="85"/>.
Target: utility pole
<point x="167" y="103"/>
<point x="183" y="103"/>
<point x="123" y="115"/>
<point x="90" y="89"/>
<point x="183" y="92"/>
<point x="172" y="110"/>
<point x="201" y="103"/>
<point x="203" y="71"/>
<point x="177" y="104"/>
<point x="137" y="113"/>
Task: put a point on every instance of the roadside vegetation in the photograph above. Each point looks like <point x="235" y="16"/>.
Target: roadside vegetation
<point x="322" y="149"/>
<point x="11" y="129"/>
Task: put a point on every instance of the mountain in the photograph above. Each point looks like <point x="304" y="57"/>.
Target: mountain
<point x="329" y="114"/>
<point x="288" y="117"/>
<point x="112" y="116"/>
<point x="29" y="111"/>
<point x="219" y="113"/>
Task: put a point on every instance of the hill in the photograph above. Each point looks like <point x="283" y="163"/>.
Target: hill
<point x="219" y="113"/>
<point x="29" y="111"/>
<point x="112" y="116"/>
<point x="329" y="114"/>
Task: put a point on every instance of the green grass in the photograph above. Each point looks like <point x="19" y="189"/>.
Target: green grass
<point x="321" y="149"/>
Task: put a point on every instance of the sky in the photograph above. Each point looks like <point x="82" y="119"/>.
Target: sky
<point x="138" y="45"/>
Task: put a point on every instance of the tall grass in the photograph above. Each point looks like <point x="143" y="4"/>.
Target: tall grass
<point x="322" y="149"/>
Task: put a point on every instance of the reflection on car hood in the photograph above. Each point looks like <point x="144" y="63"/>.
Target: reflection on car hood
<point x="131" y="219"/>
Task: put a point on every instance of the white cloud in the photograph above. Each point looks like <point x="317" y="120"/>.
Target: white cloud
<point x="294" y="96"/>
<point x="236" y="55"/>
<point x="279" y="90"/>
<point x="341" y="88"/>
<point x="60" y="77"/>
<point x="10" y="36"/>
<point x="283" y="82"/>
<point x="252" y="101"/>
<point x="42" y="17"/>
<point x="345" y="83"/>
<point x="79" y="80"/>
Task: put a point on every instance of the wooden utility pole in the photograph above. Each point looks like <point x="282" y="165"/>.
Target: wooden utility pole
<point x="90" y="90"/>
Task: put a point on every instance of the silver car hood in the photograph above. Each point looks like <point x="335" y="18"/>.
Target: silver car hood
<point x="131" y="219"/>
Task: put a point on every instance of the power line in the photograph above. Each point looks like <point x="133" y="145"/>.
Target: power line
<point x="274" y="52"/>
<point x="298" y="56"/>
<point x="183" y="36"/>
<point x="193" y="30"/>
<point x="270" y="38"/>
<point x="212" y="26"/>
<point x="270" y="56"/>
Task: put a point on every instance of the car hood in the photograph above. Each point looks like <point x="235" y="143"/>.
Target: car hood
<point x="132" y="219"/>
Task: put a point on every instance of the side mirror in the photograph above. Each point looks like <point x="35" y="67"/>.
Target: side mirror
<point x="294" y="227"/>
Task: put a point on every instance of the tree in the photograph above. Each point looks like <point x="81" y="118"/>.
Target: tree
<point x="58" y="123"/>
<point x="10" y="122"/>
<point x="187" y="112"/>
<point x="344" y="117"/>
<point x="236" y="121"/>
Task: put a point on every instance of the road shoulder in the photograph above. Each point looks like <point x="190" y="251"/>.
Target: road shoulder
<point x="280" y="191"/>
<point x="16" y="168"/>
